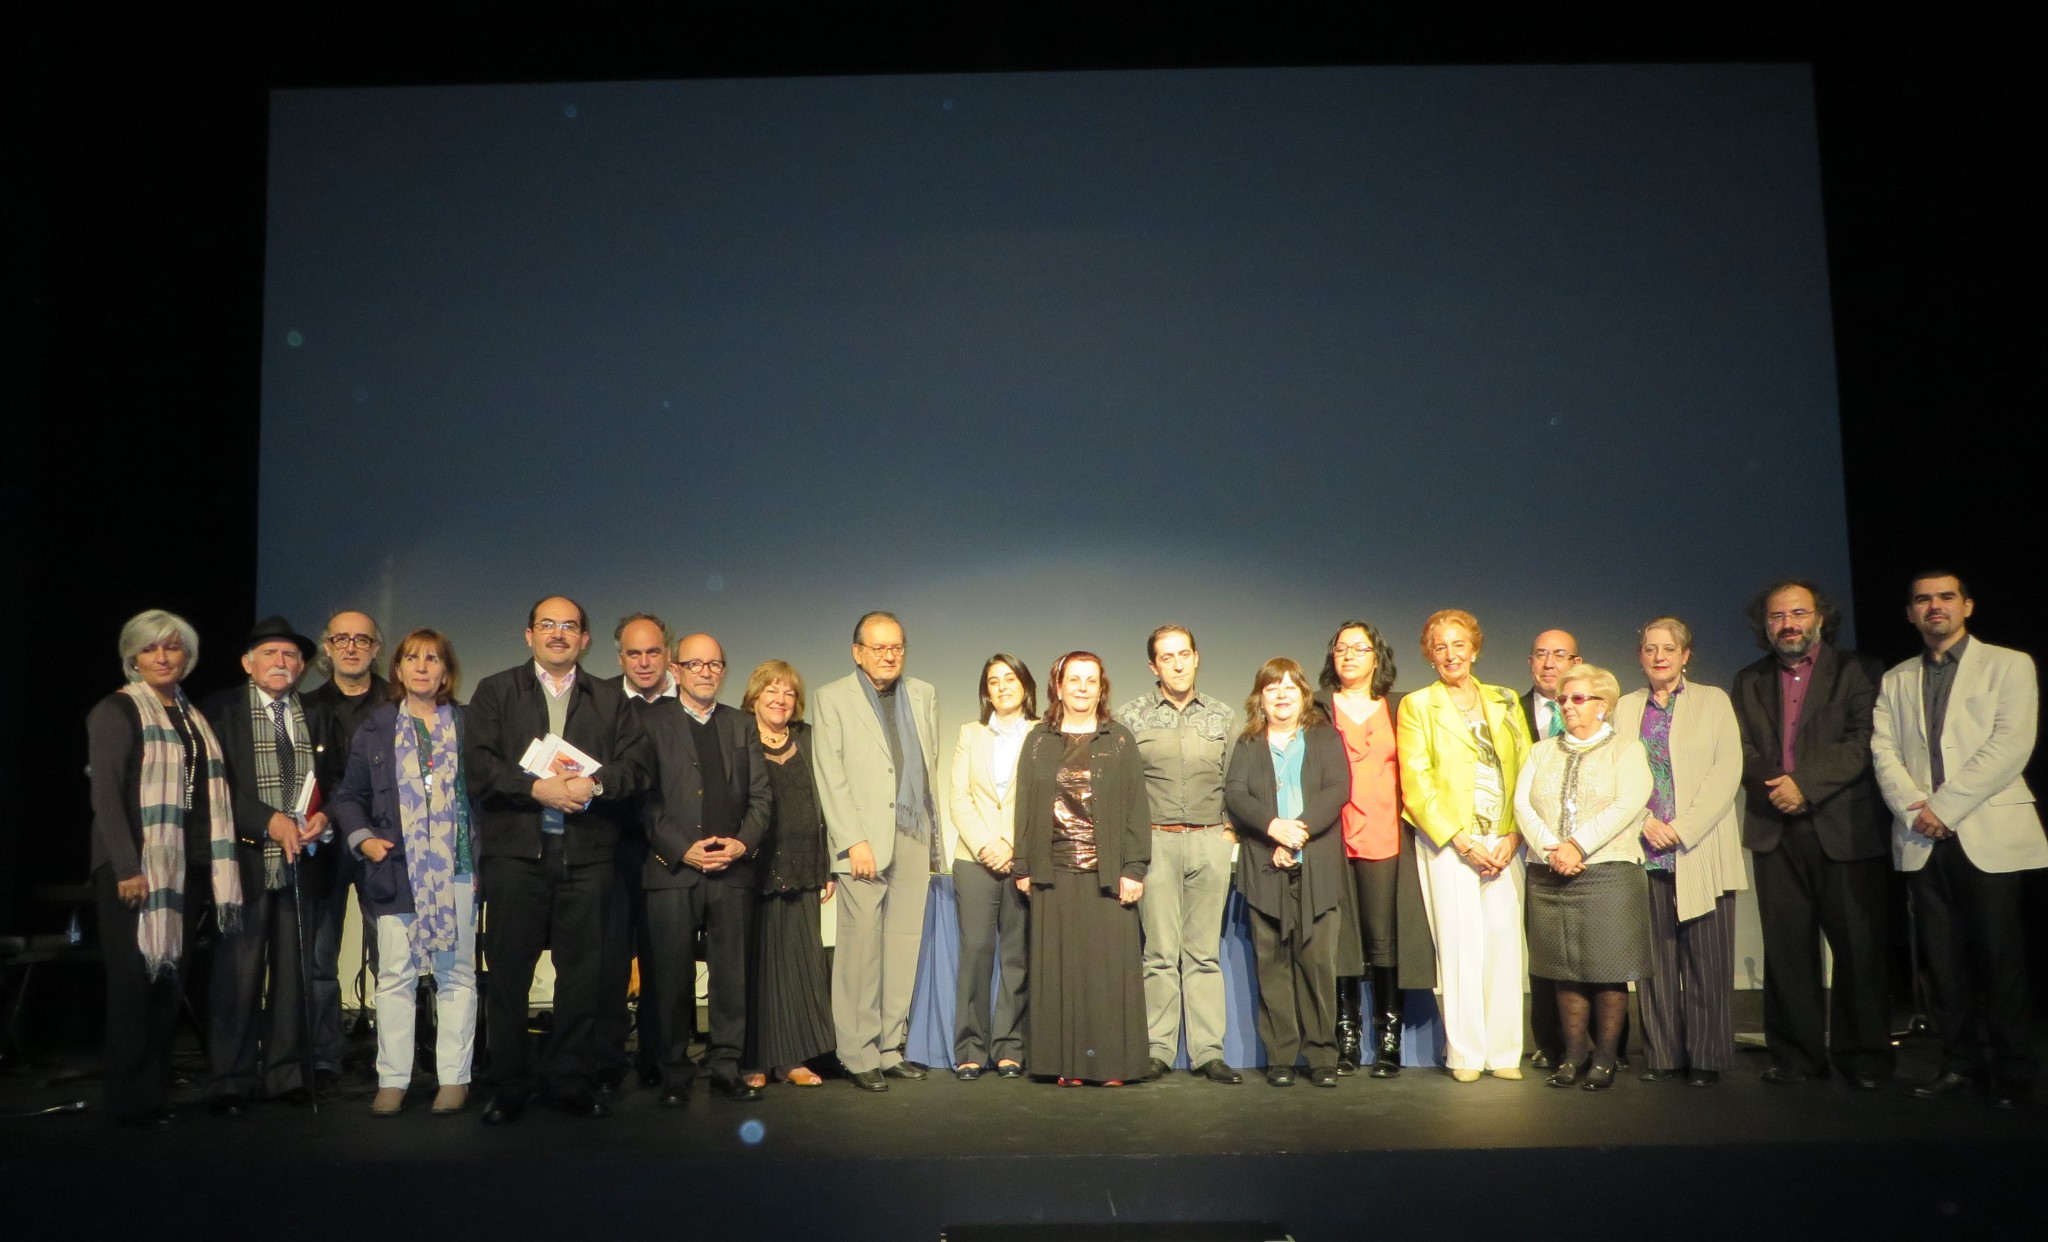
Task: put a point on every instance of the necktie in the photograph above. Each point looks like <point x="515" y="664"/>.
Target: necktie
<point x="1555" y="725"/>
<point x="287" y="758"/>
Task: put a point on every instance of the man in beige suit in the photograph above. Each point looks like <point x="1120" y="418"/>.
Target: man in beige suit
<point x="875" y="753"/>
<point x="1954" y="730"/>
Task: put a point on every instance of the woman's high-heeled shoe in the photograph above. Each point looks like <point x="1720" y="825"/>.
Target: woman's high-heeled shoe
<point x="1598" y="1078"/>
<point x="1567" y="1074"/>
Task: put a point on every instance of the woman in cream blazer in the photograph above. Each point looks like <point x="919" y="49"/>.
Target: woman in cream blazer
<point x="992" y="911"/>
<point x="1461" y="744"/>
<point x="1692" y="845"/>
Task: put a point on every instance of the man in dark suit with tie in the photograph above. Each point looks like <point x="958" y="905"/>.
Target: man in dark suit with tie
<point x="546" y="845"/>
<point x="272" y="747"/>
<point x="1552" y="654"/>
<point x="705" y="818"/>
<point x="1817" y="830"/>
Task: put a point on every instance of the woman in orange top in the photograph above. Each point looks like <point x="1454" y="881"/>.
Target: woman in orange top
<point x="1357" y="683"/>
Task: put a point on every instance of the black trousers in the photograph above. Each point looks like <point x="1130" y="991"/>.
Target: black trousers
<point x="1975" y="945"/>
<point x="1803" y="895"/>
<point x="256" y="1035"/>
<point x="625" y="937"/>
<point x="726" y="914"/>
<point x="993" y="916"/>
<point x="1297" y="989"/>
<point x="330" y="974"/>
<point x="534" y="905"/>
<point x="142" y="1013"/>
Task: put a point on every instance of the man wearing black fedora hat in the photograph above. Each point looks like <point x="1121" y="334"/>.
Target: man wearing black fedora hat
<point x="271" y="747"/>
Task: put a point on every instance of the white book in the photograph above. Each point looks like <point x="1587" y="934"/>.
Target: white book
<point x="554" y="756"/>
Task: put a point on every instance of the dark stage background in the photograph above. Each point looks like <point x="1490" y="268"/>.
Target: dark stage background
<point x="137" y="263"/>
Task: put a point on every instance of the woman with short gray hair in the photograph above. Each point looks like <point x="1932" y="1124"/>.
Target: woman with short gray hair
<point x="162" y="854"/>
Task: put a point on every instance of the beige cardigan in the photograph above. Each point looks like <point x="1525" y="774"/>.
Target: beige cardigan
<point x="980" y="818"/>
<point x="1706" y="779"/>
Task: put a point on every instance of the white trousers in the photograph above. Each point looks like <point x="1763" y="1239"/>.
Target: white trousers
<point x="1480" y="957"/>
<point x="454" y="996"/>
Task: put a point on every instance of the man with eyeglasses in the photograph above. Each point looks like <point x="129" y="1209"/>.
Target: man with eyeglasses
<point x="1955" y="727"/>
<point x="705" y="818"/>
<point x="644" y="644"/>
<point x="348" y="655"/>
<point x="1816" y="830"/>
<point x="875" y="746"/>
<point x="547" y="845"/>
<point x="1184" y="739"/>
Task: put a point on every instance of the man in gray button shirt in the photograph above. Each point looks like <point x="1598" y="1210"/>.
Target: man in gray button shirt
<point x="1184" y="738"/>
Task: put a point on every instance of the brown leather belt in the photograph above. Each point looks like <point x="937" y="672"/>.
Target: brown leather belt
<point x="1183" y="827"/>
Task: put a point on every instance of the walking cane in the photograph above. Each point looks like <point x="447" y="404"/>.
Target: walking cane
<point x="312" y="1076"/>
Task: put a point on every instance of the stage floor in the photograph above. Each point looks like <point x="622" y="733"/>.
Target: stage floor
<point x="1418" y="1151"/>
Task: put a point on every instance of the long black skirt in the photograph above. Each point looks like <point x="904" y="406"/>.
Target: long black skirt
<point x="1087" y="992"/>
<point x="790" y="1000"/>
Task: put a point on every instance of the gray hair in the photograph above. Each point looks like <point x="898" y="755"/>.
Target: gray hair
<point x="324" y="662"/>
<point x="146" y="629"/>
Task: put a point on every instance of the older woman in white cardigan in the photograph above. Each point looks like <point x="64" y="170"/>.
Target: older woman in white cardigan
<point x="1580" y="803"/>
<point x="1692" y="850"/>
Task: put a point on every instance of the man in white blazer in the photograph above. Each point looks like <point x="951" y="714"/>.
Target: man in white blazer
<point x="1954" y="729"/>
<point x="875" y="754"/>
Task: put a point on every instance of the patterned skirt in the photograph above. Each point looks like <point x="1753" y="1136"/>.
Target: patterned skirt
<point x="1593" y="927"/>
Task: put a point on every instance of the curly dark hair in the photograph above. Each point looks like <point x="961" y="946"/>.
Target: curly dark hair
<point x="1760" y="627"/>
<point x="1383" y="657"/>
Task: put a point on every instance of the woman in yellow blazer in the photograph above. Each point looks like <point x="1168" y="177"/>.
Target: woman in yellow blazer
<point x="992" y="911"/>
<point x="1692" y="847"/>
<point x="1462" y="744"/>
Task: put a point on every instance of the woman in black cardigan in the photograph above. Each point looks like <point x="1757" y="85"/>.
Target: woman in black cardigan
<point x="1285" y="787"/>
<point x="1084" y="840"/>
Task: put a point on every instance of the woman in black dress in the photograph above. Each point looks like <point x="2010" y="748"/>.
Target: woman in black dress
<point x="789" y="1019"/>
<point x="1084" y="840"/>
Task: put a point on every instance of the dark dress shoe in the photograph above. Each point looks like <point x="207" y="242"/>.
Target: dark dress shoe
<point x="581" y="1104"/>
<point x="1009" y="1069"/>
<point x="869" y="1080"/>
<point x="230" y="1105"/>
<point x="649" y="1078"/>
<point x="1702" y="1078"/>
<point x="910" y="1070"/>
<point x="1566" y="1075"/>
<point x="607" y="1081"/>
<point x="503" y="1110"/>
<point x="2011" y="1095"/>
<point x="1657" y="1075"/>
<point x="967" y="1073"/>
<point x="1542" y="1060"/>
<point x="675" y="1097"/>
<point x="1218" y="1071"/>
<point x="1160" y="1069"/>
<point x="1778" y="1076"/>
<point x="1864" y="1082"/>
<point x="736" y="1089"/>
<point x="1598" y="1078"/>
<point x="1324" y="1076"/>
<point x="1279" y="1076"/>
<point x="1948" y="1082"/>
<point x="297" y="1095"/>
<point x="156" y="1121"/>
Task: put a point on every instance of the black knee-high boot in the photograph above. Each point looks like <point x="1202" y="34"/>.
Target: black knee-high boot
<point x="1386" y="1022"/>
<point x="1350" y="1024"/>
